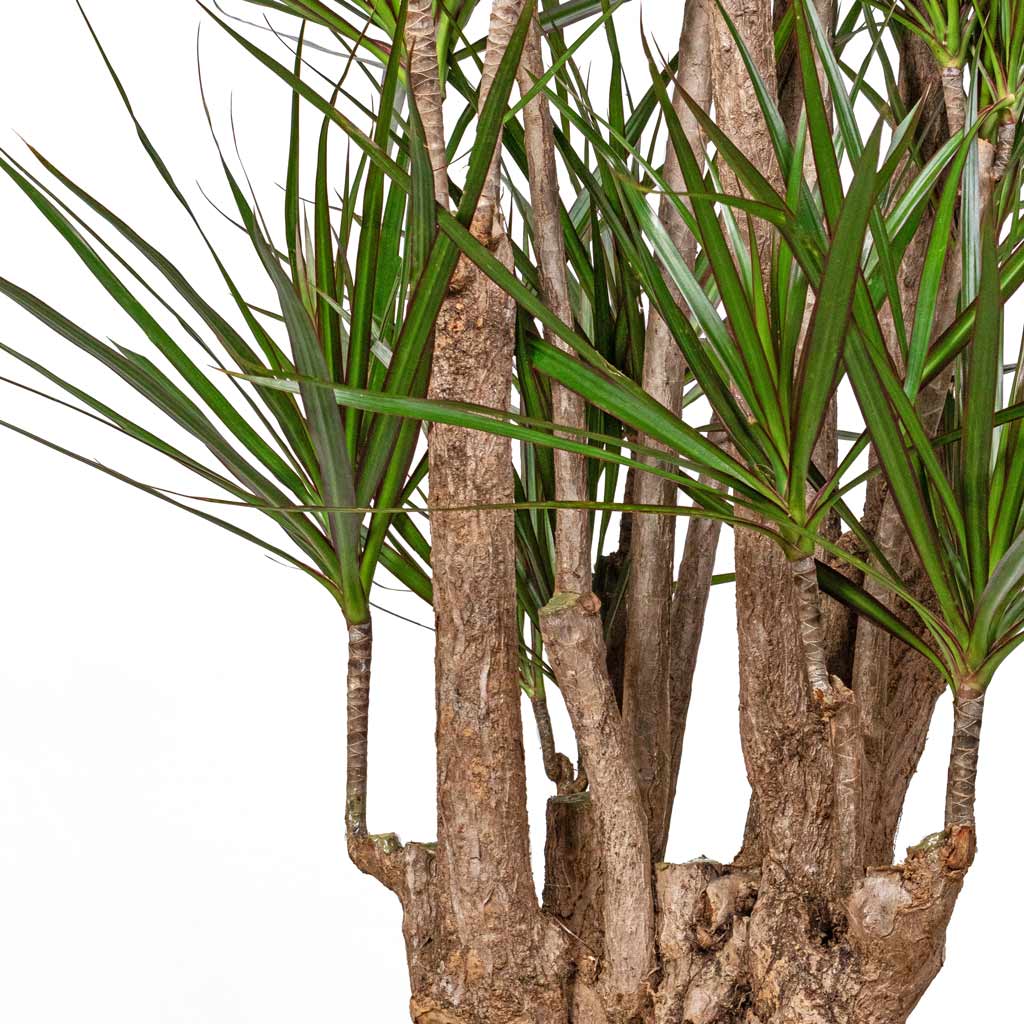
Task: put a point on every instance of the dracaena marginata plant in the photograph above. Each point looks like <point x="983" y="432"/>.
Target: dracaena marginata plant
<point x="674" y="300"/>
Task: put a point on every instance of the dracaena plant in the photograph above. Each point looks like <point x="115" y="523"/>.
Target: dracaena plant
<point x="617" y="264"/>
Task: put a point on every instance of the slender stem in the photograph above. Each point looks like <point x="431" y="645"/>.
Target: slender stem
<point x="1005" y="137"/>
<point x="847" y="741"/>
<point x="504" y="18"/>
<point x="360" y="651"/>
<point x="812" y="633"/>
<point x="963" y="758"/>
<point x="572" y="536"/>
<point x="956" y="101"/>
<point x="647" y="688"/>
<point x="421" y="44"/>
<point x="557" y="767"/>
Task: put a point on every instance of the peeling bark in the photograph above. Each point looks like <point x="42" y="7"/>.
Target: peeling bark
<point x="955" y="99"/>
<point x="1005" y="138"/>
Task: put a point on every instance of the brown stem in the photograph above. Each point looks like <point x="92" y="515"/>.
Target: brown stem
<point x="572" y="531"/>
<point x="421" y="44"/>
<point x="504" y="18"/>
<point x="811" y="633"/>
<point x="557" y="767"/>
<point x="571" y="624"/>
<point x="647" y="700"/>
<point x="360" y="650"/>
<point x="1005" y="138"/>
<point x="847" y="777"/>
<point x="963" y="758"/>
<point x="956" y="101"/>
<point x="689" y="605"/>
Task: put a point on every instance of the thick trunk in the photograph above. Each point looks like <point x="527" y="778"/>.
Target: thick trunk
<point x="488" y="921"/>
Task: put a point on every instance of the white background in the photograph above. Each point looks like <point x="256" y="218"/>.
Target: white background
<point x="171" y="701"/>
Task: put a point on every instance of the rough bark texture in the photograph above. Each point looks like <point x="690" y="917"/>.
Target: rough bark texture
<point x="480" y="950"/>
<point x="360" y="650"/>
<point x="963" y="758"/>
<point x="572" y="536"/>
<point x="487" y="914"/>
<point x="572" y="526"/>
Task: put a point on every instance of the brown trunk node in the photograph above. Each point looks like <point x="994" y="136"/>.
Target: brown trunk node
<point x="1006" y="135"/>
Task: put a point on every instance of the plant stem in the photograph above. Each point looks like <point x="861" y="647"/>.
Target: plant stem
<point x="963" y="758"/>
<point x="812" y="634"/>
<point x="360" y="650"/>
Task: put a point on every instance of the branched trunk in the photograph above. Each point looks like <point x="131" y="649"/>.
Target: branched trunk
<point x="798" y="932"/>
